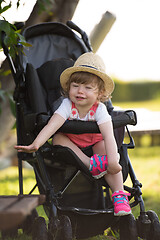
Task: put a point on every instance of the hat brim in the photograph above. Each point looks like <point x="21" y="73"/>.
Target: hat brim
<point x="109" y="84"/>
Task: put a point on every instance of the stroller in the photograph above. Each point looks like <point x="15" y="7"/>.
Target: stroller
<point x="76" y="204"/>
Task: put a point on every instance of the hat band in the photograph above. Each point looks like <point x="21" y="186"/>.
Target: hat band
<point x="88" y="66"/>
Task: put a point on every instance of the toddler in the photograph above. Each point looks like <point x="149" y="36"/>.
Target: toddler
<point x="86" y="86"/>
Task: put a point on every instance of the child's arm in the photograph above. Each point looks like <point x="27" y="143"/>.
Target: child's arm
<point x="111" y="147"/>
<point x="53" y="125"/>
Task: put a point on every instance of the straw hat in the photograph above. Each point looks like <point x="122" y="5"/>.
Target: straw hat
<point x="92" y="63"/>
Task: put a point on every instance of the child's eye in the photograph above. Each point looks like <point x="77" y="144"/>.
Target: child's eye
<point x="75" y="85"/>
<point x="88" y="87"/>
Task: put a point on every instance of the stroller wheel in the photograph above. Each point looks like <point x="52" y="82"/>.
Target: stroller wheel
<point x="128" y="228"/>
<point x="66" y="228"/>
<point x="39" y="229"/>
<point x="154" y="232"/>
<point x="60" y="229"/>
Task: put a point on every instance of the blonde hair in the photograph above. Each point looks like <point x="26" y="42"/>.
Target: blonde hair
<point x="86" y="78"/>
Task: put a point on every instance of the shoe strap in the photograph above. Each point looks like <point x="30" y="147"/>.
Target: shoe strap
<point x="120" y="193"/>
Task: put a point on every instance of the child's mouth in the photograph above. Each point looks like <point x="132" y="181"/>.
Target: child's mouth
<point x="79" y="98"/>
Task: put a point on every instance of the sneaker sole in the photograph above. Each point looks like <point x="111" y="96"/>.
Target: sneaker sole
<point x="100" y="175"/>
<point x="122" y="213"/>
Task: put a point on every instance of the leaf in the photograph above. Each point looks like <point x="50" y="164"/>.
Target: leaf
<point x="5" y="8"/>
<point x="12" y="38"/>
<point x="26" y="44"/>
<point x="5" y="26"/>
<point x="21" y="37"/>
<point x="5" y="73"/>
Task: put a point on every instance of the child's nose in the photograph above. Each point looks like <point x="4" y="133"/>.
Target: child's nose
<point x="80" y="88"/>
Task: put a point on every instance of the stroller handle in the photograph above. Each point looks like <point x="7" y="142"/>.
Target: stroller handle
<point x="85" y="38"/>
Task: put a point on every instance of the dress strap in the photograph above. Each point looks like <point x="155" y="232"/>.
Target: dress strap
<point x="90" y="115"/>
<point x="92" y="111"/>
<point x="74" y="112"/>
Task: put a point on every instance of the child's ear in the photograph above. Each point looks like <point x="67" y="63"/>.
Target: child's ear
<point x="103" y="97"/>
<point x="100" y="94"/>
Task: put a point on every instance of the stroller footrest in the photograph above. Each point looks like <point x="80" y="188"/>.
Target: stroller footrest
<point x="86" y="211"/>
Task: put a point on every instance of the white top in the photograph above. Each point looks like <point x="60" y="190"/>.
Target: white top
<point x="101" y="115"/>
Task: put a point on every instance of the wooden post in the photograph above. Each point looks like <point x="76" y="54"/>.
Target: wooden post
<point x="100" y="30"/>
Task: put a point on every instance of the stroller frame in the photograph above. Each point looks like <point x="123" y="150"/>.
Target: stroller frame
<point x="62" y="217"/>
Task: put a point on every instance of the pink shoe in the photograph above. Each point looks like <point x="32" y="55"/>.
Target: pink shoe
<point x="121" y="203"/>
<point x="98" y="165"/>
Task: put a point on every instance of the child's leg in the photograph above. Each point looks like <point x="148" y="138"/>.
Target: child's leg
<point x="115" y="181"/>
<point x="113" y="166"/>
<point x="61" y="139"/>
<point x="96" y="165"/>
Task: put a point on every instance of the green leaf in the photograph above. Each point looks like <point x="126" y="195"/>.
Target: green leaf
<point x="12" y="38"/>
<point x="5" y="26"/>
<point x="5" y="8"/>
<point x="26" y="44"/>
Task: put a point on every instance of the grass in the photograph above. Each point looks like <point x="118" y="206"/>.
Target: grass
<point x="145" y="162"/>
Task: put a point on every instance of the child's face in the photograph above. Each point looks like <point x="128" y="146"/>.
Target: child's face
<point x="84" y="94"/>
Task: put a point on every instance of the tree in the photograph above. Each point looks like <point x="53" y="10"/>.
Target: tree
<point x="43" y="11"/>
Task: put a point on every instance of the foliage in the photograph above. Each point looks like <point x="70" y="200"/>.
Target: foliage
<point x="10" y="37"/>
<point x="136" y="90"/>
<point x="152" y="105"/>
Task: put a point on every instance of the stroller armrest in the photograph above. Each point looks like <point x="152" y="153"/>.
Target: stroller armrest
<point x="123" y="118"/>
<point x="119" y="119"/>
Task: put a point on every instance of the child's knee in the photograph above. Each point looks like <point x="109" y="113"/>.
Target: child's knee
<point x="58" y="139"/>
<point x="114" y="168"/>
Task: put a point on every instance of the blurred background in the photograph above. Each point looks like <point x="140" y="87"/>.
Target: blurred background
<point x="125" y="33"/>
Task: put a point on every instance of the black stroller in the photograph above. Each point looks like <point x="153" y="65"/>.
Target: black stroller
<point x="76" y="204"/>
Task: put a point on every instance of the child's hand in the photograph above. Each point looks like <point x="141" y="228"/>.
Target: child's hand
<point x="28" y="149"/>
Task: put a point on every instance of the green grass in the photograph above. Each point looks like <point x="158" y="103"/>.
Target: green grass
<point x="146" y="164"/>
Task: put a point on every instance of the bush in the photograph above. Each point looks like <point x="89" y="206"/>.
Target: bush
<point x="136" y="91"/>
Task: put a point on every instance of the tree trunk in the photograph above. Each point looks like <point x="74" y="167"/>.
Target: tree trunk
<point x="60" y="11"/>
